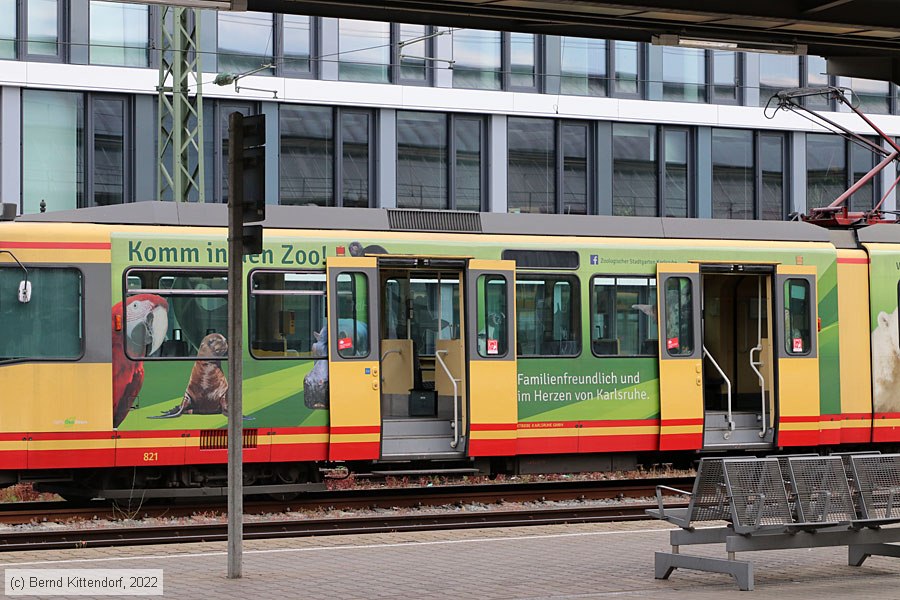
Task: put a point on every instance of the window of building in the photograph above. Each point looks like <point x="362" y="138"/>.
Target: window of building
<point x="469" y="174"/>
<point x="574" y="146"/>
<point x="357" y="158"/>
<point x="52" y="150"/>
<point x="826" y="169"/>
<point x="8" y="29"/>
<point x="108" y="172"/>
<point x="522" y="61"/>
<point x="645" y="185"/>
<point x="547" y="315"/>
<point x="732" y="169"/>
<point x="583" y="66"/>
<point x="772" y="158"/>
<point x="833" y="165"/>
<point x="195" y="304"/>
<point x="43" y="37"/>
<point x="492" y="60"/>
<point x="287" y="315"/>
<point x="777" y="72"/>
<point x="635" y="171"/>
<point x="365" y="50"/>
<point x="246" y="42"/>
<point x="297" y="42"/>
<point x="798" y="326"/>
<point x="626" y="65"/>
<point x="684" y="74"/>
<point x="745" y="187"/>
<point x="532" y="165"/>
<point x="422" y="160"/>
<point x="311" y="139"/>
<point x="76" y="150"/>
<point x="478" y="59"/>
<point x="816" y="76"/>
<point x="51" y="325"/>
<point x="676" y="176"/>
<point x="725" y="80"/>
<point x="874" y="96"/>
<point x="624" y="316"/>
<point x="306" y="165"/>
<point x="862" y="160"/>
<point x="413" y="53"/>
<point x="378" y="52"/>
<point x="439" y="161"/>
<point x="119" y="34"/>
<point x="549" y="166"/>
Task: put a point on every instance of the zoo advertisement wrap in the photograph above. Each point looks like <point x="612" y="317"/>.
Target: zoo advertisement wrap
<point x="187" y="389"/>
<point x="884" y="273"/>
<point x="154" y="394"/>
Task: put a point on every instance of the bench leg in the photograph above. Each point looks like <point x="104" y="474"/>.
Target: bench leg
<point x="858" y="553"/>
<point x="741" y="570"/>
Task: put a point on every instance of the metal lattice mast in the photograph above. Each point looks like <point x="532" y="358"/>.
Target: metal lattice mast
<point x="180" y="114"/>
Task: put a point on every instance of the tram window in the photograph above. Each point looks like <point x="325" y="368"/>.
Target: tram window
<point x="353" y="315"/>
<point x="51" y="324"/>
<point x="679" y="317"/>
<point x="624" y="316"/>
<point x="547" y="316"/>
<point x="287" y="315"/>
<point x="169" y="313"/>
<point x="797" y="324"/>
<point x="491" y="319"/>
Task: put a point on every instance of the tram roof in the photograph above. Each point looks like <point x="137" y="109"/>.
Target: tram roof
<point x="379" y="219"/>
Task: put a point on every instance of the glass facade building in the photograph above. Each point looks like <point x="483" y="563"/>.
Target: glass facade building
<point x="366" y="114"/>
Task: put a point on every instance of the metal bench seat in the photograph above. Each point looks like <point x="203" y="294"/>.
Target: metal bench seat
<point x="753" y="496"/>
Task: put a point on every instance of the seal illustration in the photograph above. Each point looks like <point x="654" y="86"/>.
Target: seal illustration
<point x="207" y="389"/>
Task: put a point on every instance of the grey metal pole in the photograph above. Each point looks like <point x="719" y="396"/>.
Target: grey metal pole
<point x="235" y="350"/>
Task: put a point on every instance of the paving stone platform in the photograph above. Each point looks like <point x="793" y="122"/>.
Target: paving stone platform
<point x="565" y="561"/>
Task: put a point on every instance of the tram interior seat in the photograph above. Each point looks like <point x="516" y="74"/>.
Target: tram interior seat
<point x="174" y="348"/>
<point x="606" y="346"/>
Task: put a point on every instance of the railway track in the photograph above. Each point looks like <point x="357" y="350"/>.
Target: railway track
<point x="474" y="511"/>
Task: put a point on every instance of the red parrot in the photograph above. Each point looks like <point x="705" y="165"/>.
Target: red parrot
<point x="145" y="324"/>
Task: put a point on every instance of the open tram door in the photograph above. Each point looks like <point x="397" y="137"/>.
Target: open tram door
<point x="717" y="373"/>
<point x="797" y="351"/>
<point x="353" y="351"/>
<point x="445" y="343"/>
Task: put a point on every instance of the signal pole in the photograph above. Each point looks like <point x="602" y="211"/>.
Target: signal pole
<point x="246" y="204"/>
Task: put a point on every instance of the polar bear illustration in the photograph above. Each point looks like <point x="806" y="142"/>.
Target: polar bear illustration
<point x="886" y="363"/>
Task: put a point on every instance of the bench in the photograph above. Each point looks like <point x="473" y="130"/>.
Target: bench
<point x="800" y="501"/>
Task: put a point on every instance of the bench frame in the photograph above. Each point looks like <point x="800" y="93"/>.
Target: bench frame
<point x="748" y="531"/>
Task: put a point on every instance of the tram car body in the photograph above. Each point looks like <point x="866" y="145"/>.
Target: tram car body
<point x="392" y="339"/>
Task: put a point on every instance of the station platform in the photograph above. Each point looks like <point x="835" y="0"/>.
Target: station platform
<point x="562" y="561"/>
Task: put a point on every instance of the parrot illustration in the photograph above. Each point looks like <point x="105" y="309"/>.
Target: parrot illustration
<point x="146" y="321"/>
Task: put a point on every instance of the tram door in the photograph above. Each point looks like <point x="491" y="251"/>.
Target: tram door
<point x="717" y="366"/>
<point x="738" y="360"/>
<point x="353" y="352"/>
<point x="423" y="368"/>
<point x="797" y="353"/>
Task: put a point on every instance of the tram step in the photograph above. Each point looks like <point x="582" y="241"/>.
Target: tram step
<point x="391" y="428"/>
<point x="415" y="445"/>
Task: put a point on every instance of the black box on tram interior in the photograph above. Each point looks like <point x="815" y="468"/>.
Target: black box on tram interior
<point x="422" y="403"/>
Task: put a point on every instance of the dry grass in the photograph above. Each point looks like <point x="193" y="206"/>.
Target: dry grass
<point x="24" y="492"/>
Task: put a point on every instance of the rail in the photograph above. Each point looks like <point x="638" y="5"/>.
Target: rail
<point x="453" y="381"/>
